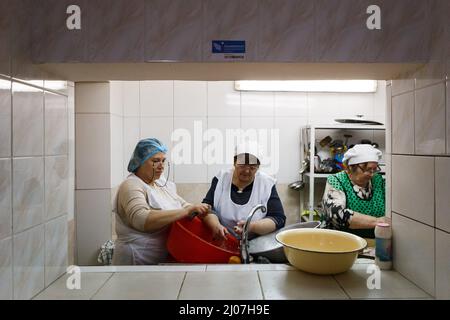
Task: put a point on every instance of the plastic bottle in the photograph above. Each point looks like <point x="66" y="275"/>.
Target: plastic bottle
<point x="383" y="246"/>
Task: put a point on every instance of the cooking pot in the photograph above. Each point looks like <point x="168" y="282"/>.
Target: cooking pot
<point x="267" y="246"/>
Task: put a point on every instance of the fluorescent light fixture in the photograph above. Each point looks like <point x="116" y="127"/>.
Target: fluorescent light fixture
<point x="308" y="85"/>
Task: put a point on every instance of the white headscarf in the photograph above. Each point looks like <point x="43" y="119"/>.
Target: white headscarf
<point x="361" y="153"/>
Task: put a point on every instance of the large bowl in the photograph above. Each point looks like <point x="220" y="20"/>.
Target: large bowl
<point x="321" y="251"/>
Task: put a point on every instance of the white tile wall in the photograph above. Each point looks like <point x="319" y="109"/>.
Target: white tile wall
<point x="334" y="105"/>
<point x="442" y="195"/>
<point x="223" y="100"/>
<point x="414" y="252"/>
<point x="28" y="193"/>
<point x="156" y="98"/>
<point x="403" y="123"/>
<point x="29" y="262"/>
<point x="56" y="186"/>
<point x="94" y="214"/>
<point x="56" y="237"/>
<point x="131" y="98"/>
<point x="188" y="150"/>
<point x="402" y="85"/>
<point x="413" y="187"/>
<point x="429" y="116"/>
<point x="388" y="119"/>
<point x="56" y="124"/>
<point x="6" y="274"/>
<point x="131" y="134"/>
<point x="116" y="93"/>
<point x="379" y="102"/>
<point x="71" y="150"/>
<point x="5" y="198"/>
<point x="257" y="104"/>
<point x="92" y="97"/>
<point x="5" y="118"/>
<point x="447" y="85"/>
<point x="442" y="265"/>
<point x="116" y="150"/>
<point x="291" y="104"/>
<point x="190" y="98"/>
<point x="93" y="151"/>
<point x="28" y="121"/>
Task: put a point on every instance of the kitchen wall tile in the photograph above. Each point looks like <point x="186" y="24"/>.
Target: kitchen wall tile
<point x="90" y="283"/>
<point x="403" y="123"/>
<point x="230" y="20"/>
<point x="160" y="128"/>
<point x="156" y="98"/>
<point x="93" y="223"/>
<point x="379" y="102"/>
<point x="429" y="114"/>
<point x="193" y="192"/>
<point x="93" y="151"/>
<point x="5" y="118"/>
<point x="56" y="122"/>
<point x="442" y="193"/>
<point x="131" y="135"/>
<point x="57" y="86"/>
<point x="388" y="119"/>
<point x="442" y="265"/>
<point x="290" y="200"/>
<point x="257" y="104"/>
<point x="116" y="97"/>
<point x="130" y="98"/>
<point x="388" y="179"/>
<point x="286" y="31"/>
<point x="28" y="121"/>
<point x="92" y="97"/>
<point x="6" y="273"/>
<point x="406" y="29"/>
<point x="289" y="139"/>
<point x="281" y="285"/>
<point x="418" y="186"/>
<point x="51" y="40"/>
<point x="56" y="254"/>
<point x="28" y="193"/>
<point x="223" y="100"/>
<point x="126" y="285"/>
<point x="188" y="150"/>
<point x="116" y="35"/>
<point x="222" y="139"/>
<point x="190" y="98"/>
<point x="447" y="84"/>
<point x="431" y="73"/>
<point x="56" y="186"/>
<point x="289" y="104"/>
<point x="400" y="86"/>
<point x="71" y="149"/>
<point x="116" y="150"/>
<point x="172" y="30"/>
<point x="344" y="37"/>
<point x="414" y="252"/>
<point x="29" y="259"/>
<point x="5" y="199"/>
<point x="221" y="286"/>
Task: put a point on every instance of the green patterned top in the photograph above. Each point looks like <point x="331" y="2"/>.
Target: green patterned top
<point x="374" y="206"/>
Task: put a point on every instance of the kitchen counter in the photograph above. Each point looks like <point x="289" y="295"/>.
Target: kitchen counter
<point x="230" y="282"/>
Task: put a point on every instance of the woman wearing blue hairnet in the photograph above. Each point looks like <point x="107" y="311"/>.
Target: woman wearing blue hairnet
<point x="146" y="206"/>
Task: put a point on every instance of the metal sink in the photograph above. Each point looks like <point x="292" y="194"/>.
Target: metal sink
<point x="267" y="246"/>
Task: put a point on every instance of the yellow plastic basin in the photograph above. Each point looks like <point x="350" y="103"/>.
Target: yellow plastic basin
<point x="321" y="251"/>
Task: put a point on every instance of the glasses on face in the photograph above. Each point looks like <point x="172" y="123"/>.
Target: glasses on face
<point x="370" y="171"/>
<point x="158" y="162"/>
<point x="251" y="167"/>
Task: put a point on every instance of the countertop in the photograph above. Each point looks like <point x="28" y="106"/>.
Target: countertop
<point x="231" y="282"/>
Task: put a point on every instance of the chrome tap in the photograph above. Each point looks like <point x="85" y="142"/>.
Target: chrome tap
<point x="245" y="256"/>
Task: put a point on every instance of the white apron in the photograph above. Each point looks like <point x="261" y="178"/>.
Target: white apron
<point x="133" y="247"/>
<point x="229" y="212"/>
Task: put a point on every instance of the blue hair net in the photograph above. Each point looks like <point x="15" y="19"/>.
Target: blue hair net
<point x="145" y="149"/>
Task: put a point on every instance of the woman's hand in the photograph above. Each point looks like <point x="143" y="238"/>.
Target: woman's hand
<point x="200" y="209"/>
<point x="385" y="220"/>
<point x="239" y="227"/>
<point x="220" y="232"/>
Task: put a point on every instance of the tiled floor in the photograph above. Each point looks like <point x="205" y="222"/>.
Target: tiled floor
<point x="231" y="282"/>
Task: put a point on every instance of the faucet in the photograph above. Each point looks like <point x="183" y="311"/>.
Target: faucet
<point x="245" y="256"/>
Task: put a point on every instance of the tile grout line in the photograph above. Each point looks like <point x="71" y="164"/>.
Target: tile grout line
<point x="340" y="286"/>
<point x="260" y="285"/>
<point x="101" y="287"/>
<point x="181" y="287"/>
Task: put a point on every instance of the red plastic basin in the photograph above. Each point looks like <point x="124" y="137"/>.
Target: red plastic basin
<point x="190" y="241"/>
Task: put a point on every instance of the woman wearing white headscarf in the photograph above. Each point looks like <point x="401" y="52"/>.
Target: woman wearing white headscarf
<point x="146" y="205"/>
<point x="354" y="199"/>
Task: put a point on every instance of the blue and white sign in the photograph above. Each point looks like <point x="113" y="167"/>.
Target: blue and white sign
<point x="228" y="46"/>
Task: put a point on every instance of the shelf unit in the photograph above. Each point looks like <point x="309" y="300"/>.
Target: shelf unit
<point x="308" y="136"/>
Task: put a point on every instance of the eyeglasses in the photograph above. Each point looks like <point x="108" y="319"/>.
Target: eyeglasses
<point x="370" y="171"/>
<point x="157" y="163"/>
